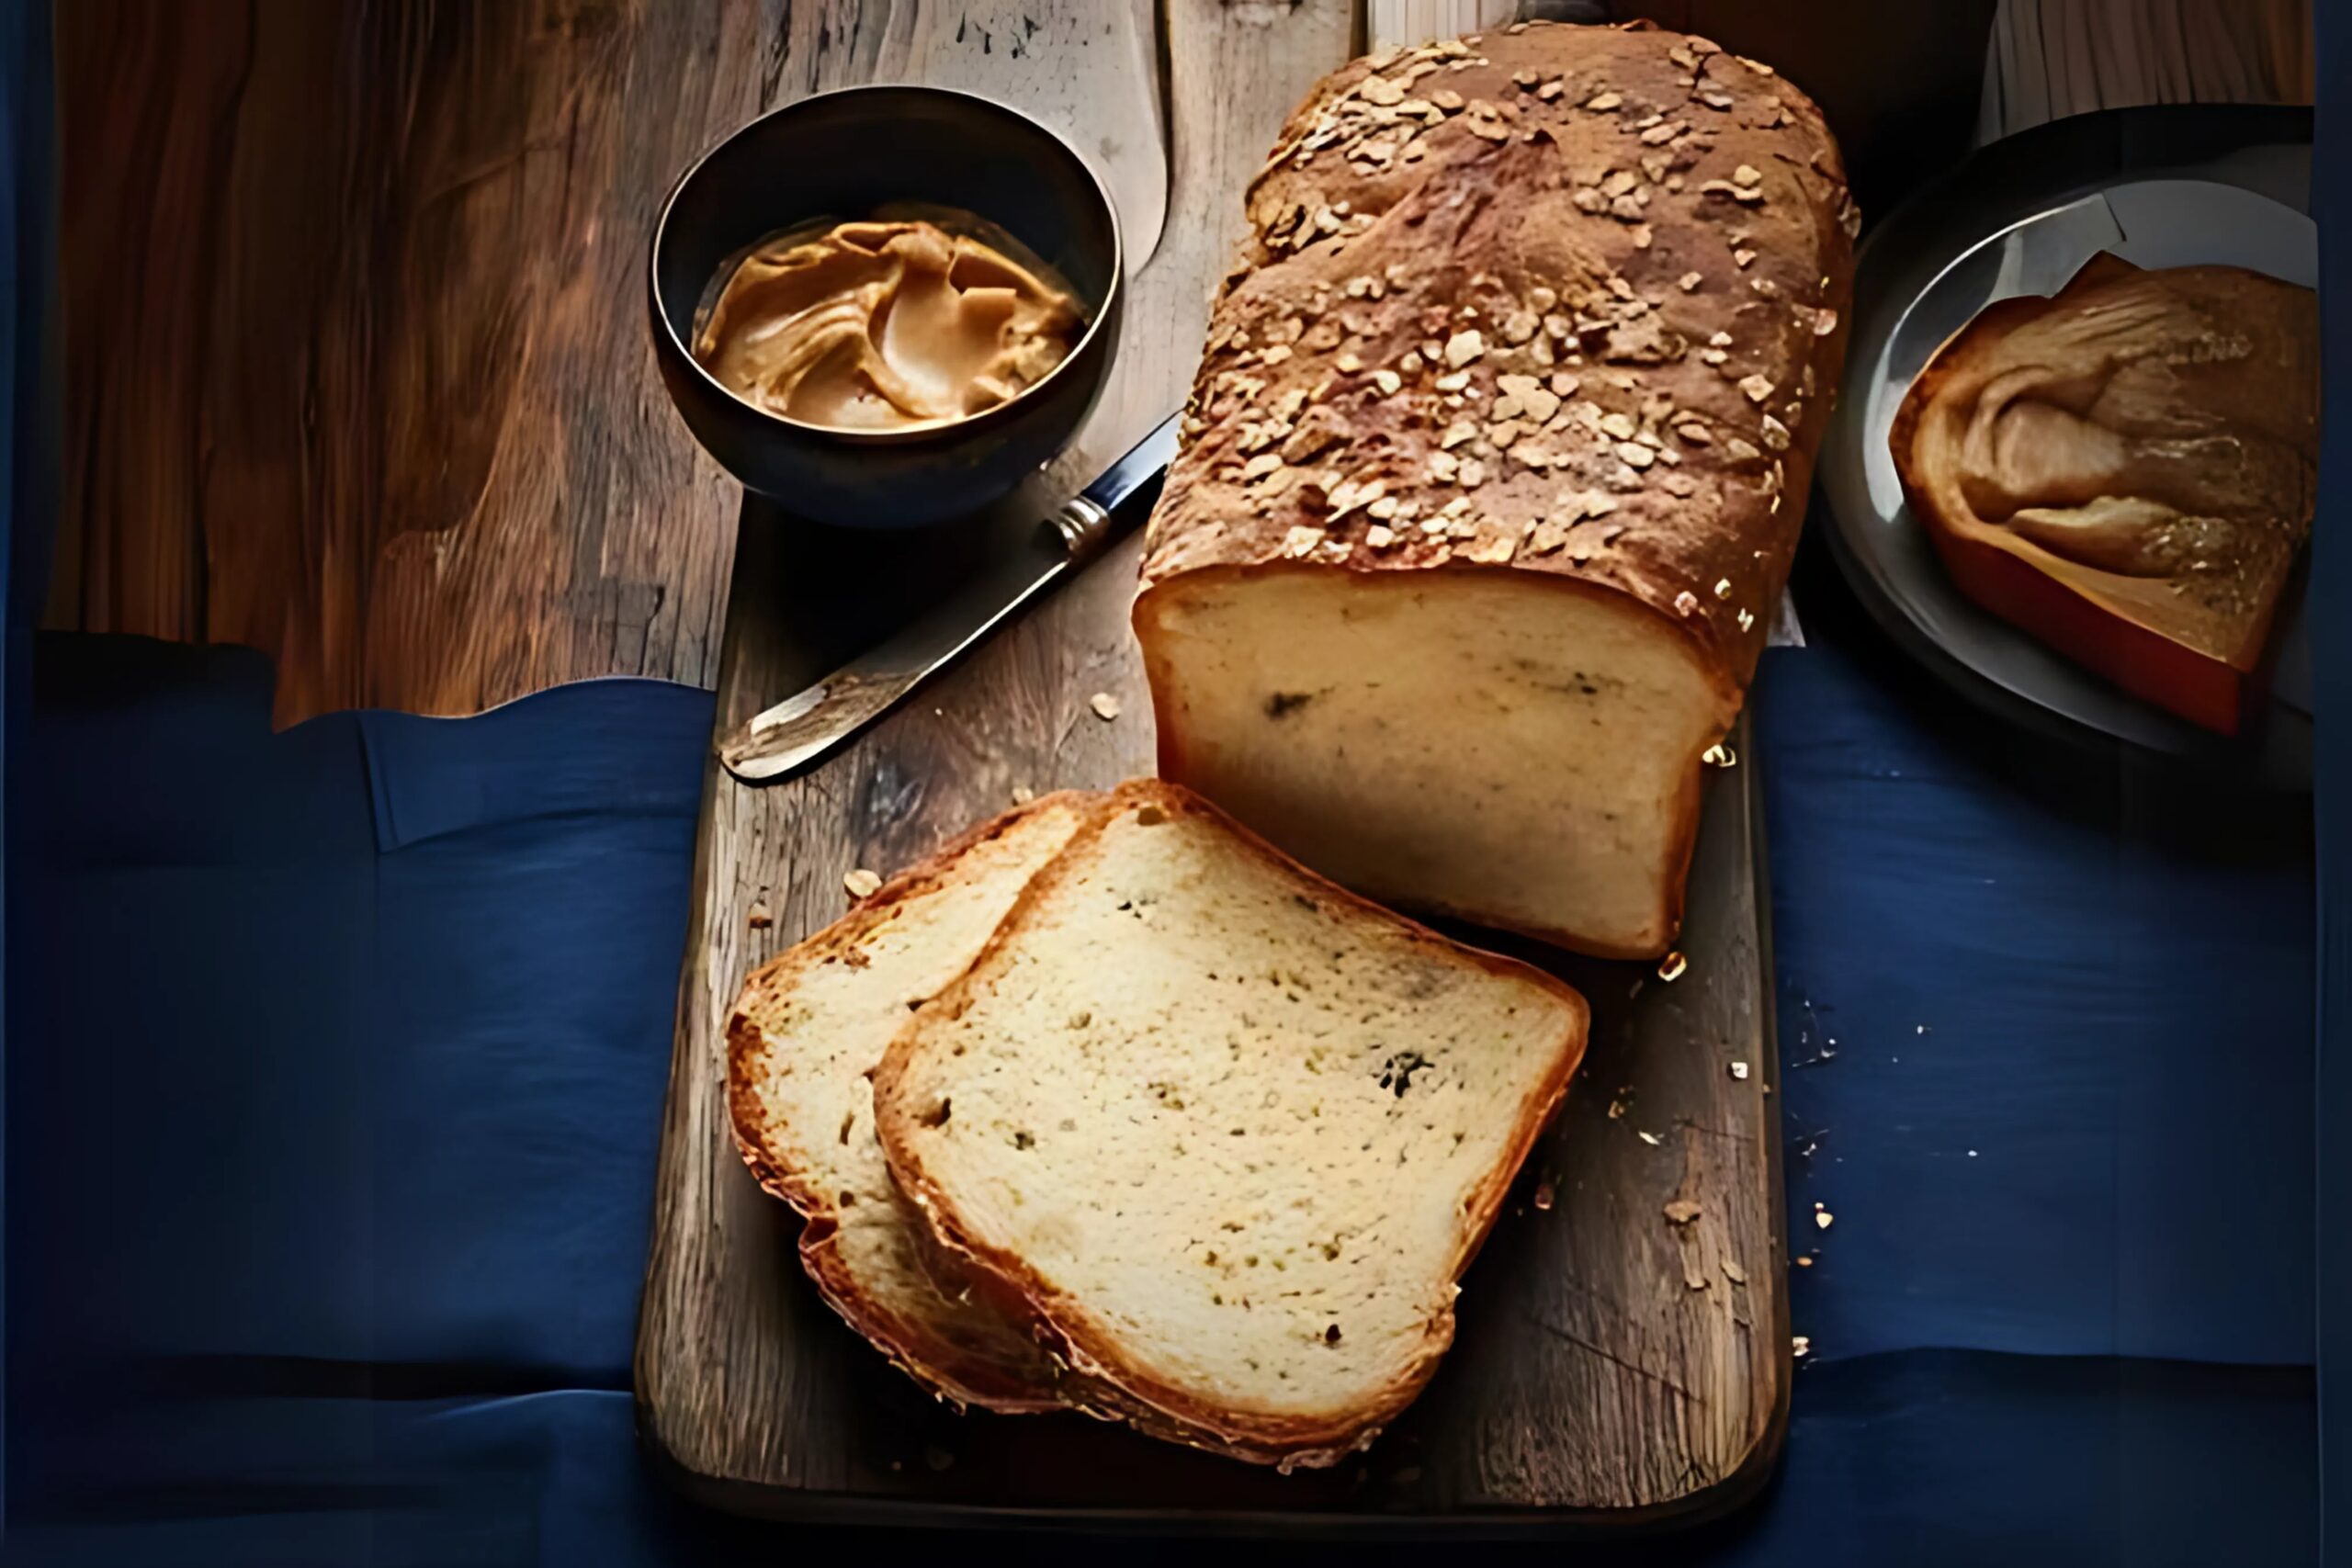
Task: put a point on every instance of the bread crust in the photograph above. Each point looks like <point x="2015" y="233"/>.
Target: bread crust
<point x="948" y="1371"/>
<point x="1088" y="1345"/>
<point x="1669" y="271"/>
<point x="1479" y="224"/>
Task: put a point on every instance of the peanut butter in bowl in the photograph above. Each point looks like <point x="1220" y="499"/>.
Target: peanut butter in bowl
<point x="887" y="324"/>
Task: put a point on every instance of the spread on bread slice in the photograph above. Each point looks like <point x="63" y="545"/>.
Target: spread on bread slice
<point x="2126" y="471"/>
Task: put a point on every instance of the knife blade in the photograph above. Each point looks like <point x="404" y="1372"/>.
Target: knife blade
<point x="805" y="728"/>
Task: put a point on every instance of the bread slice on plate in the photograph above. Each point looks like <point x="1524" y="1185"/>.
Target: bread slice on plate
<point x="1225" y="1134"/>
<point x="810" y="1027"/>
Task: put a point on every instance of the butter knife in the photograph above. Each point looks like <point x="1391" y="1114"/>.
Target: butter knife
<point x="802" y="730"/>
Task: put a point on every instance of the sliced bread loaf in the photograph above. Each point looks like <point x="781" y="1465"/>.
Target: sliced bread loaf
<point x="1497" y="456"/>
<point x="809" y="1028"/>
<point x="1228" y="1134"/>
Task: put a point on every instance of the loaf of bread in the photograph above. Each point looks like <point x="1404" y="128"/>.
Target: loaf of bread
<point x="1494" y="469"/>
<point x="811" y="1027"/>
<point x="1223" y="1133"/>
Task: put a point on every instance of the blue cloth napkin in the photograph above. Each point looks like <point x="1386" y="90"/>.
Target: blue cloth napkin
<point x="335" y="1070"/>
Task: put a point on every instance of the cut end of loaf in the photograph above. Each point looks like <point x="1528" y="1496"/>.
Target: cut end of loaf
<point x="1514" y="750"/>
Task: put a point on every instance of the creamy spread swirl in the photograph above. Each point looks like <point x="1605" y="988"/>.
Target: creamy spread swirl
<point x="885" y="325"/>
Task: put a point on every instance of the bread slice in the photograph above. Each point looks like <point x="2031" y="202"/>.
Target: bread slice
<point x="2126" y="471"/>
<point x="1227" y="1132"/>
<point x="811" y="1026"/>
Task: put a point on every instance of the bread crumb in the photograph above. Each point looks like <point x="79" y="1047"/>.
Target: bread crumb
<point x="1800" y="1346"/>
<point x="1652" y="1139"/>
<point x="1023" y="794"/>
<point x="1823" y="1218"/>
<point x="1671" y="966"/>
<point x="1543" y="1195"/>
<point x="1739" y="1071"/>
<point x="862" y="883"/>
<point x="1105" y="705"/>
<point x="1804" y="1262"/>
<point x="1464" y="346"/>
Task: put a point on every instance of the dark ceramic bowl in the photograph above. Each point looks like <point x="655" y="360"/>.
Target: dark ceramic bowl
<point x="843" y="155"/>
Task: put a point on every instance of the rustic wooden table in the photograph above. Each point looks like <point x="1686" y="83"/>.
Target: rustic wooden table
<point x="356" y="371"/>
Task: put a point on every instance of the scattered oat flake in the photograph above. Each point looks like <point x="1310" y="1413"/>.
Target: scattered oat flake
<point x="1652" y="1139"/>
<point x="1823" y="1217"/>
<point x="862" y="883"/>
<point x="1105" y="705"/>
<point x="1739" y="1071"/>
<point x="758" y="918"/>
<point x="1682" y="1211"/>
<point x="1671" y="966"/>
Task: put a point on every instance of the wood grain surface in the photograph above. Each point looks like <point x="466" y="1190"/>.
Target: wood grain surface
<point x="1609" y="1363"/>
<point x="357" y="370"/>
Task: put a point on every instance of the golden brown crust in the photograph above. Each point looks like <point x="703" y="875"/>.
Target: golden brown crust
<point x="947" y="1369"/>
<point x="1662" y="226"/>
<point x="1090" y="1347"/>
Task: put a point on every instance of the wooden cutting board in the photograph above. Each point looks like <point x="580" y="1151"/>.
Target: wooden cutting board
<point x="1612" y="1367"/>
<point x="1609" y="1368"/>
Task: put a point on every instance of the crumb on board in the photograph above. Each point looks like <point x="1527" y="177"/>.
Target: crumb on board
<point x="1799" y="1345"/>
<point x="1105" y="705"/>
<point x="1544" y="1194"/>
<point x="1023" y="794"/>
<point x="1671" y="967"/>
<point x="862" y="883"/>
<point x="1739" y="1071"/>
<point x="1652" y="1139"/>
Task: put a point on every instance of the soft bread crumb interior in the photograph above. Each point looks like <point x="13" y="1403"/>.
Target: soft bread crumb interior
<point x="824" y="1030"/>
<point x="1235" y="1123"/>
<point x="1478" y="743"/>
